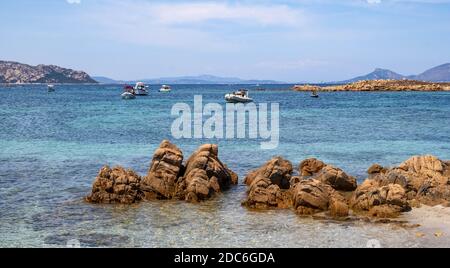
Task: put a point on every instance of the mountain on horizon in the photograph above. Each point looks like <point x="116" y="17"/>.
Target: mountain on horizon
<point x="377" y="74"/>
<point x="199" y="79"/>
<point x="439" y="73"/>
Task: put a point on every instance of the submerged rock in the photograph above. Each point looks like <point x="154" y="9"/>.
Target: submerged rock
<point x="116" y="185"/>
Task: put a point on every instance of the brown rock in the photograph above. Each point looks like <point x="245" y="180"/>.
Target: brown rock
<point x="116" y="185"/>
<point x="375" y="169"/>
<point x="164" y="171"/>
<point x="310" y="166"/>
<point x="380" y="201"/>
<point x="205" y="175"/>
<point x="268" y="185"/>
<point x="424" y="178"/>
<point x="277" y="170"/>
<point x="313" y="196"/>
<point x="336" y="178"/>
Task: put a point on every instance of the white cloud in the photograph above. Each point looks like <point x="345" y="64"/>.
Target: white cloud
<point x="190" y="24"/>
<point x="374" y="2"/>
<point x="208" y="11"/>
<point x="74" y="2"/>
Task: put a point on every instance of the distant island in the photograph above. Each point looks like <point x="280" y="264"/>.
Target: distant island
<point x="19" y="73"/>
<point x="379" y="85"/>
<point x="191" y="80"/>
<point x="439" y="73"/>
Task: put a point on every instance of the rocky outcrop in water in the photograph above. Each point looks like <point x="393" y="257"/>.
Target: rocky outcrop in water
<point x="14" y="72"/>
<point x="380" y="85"/>
<point x="269" y="186"/>
<point x="419" y="180"/>
<point x="273" y="185"/>
<point x="320" y="187"/>
<point x="165" y="169"/>
<point x="116" y="185"/>
<point x="200" y="178"/>
<point x="311" y="196"/>
<point x="328" y="174"/>
<point x="205" y="175"/>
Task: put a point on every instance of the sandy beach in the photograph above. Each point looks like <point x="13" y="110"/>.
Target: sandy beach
<point x="433" y="225"/>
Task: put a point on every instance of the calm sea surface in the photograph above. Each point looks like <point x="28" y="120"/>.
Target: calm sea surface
<point x="53" y="144"/>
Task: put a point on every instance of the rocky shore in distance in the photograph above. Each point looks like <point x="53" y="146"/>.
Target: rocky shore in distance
<point x="379" y="85"/>
<point x="14" y="72"/>
<point x="316" y="188"/>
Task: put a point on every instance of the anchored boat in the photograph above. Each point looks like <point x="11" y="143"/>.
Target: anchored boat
<point x="240" y="96"/>
<point x="51" y="88"/>
<point x="129" y="93"/>
<point x="165" y="88"/>
<point x="140" y="89"/>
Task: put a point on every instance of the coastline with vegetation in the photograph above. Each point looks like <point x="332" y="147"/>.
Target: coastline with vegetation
<point x="379" y="85"/>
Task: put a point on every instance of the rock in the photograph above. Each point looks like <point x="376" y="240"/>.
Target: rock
<point x="269" y="185"/>
<point x="116" y="185"/>
<point x="205" y="175"/>
<point x="313" y="196"/>
<point x="336" y="178"/>
<point x="14" y="72"/>
<point x="162" y="177"/>
<point x="375" y="169"/>
<point x="426" y="179"/>
<point x="264" y="194"/>
<point x="310" y="167"/>
<point x="277" y="170"/>
<point x="380" y="201"/>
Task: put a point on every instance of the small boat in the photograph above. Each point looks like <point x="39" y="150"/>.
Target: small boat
<point x="240" y="96"/>
<point x="50" y="88"/>
<point x="165" y="88"/>
<point x="128" y="96"/>
<point x="129" y="93"/>
<point x="140" y="89"/>
<point x="314" y="94"/>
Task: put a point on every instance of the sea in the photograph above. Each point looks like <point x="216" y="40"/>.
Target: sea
<point x="52" y="145"/>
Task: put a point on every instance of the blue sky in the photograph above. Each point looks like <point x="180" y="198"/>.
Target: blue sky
<point x="291" y="40"/>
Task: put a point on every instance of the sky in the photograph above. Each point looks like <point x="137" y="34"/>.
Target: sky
<point x="289" y="40"/>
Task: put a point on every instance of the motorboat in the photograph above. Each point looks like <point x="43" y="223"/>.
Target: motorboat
<point x="140" y="89"/>
<point x="240" y="96"/>
<point x="129" y="93"/>
<point x="165" y="88"/>
<point x="314" y="94"/>
<point x="51" y="88"/>
<point x="128" y="96"/>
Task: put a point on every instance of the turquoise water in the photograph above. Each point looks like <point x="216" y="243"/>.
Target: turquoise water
<point x="53" y="144"/>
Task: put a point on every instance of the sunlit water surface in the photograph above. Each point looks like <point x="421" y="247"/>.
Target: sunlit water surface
<point x="52" y="146"/>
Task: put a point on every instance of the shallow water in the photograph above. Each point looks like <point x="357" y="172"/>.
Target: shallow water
<point x="52" y="146"/>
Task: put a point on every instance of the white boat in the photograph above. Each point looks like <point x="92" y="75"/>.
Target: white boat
<point x="165" y="88"/>
<point x="128" y="96"/>
<point x="140" y="89"/>
<point x="50" y="88"/>
<point x="240" y="96"/>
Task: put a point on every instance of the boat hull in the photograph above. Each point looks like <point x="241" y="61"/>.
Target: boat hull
<point x="236" y="99"/>
<point x="128" y="96"/>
